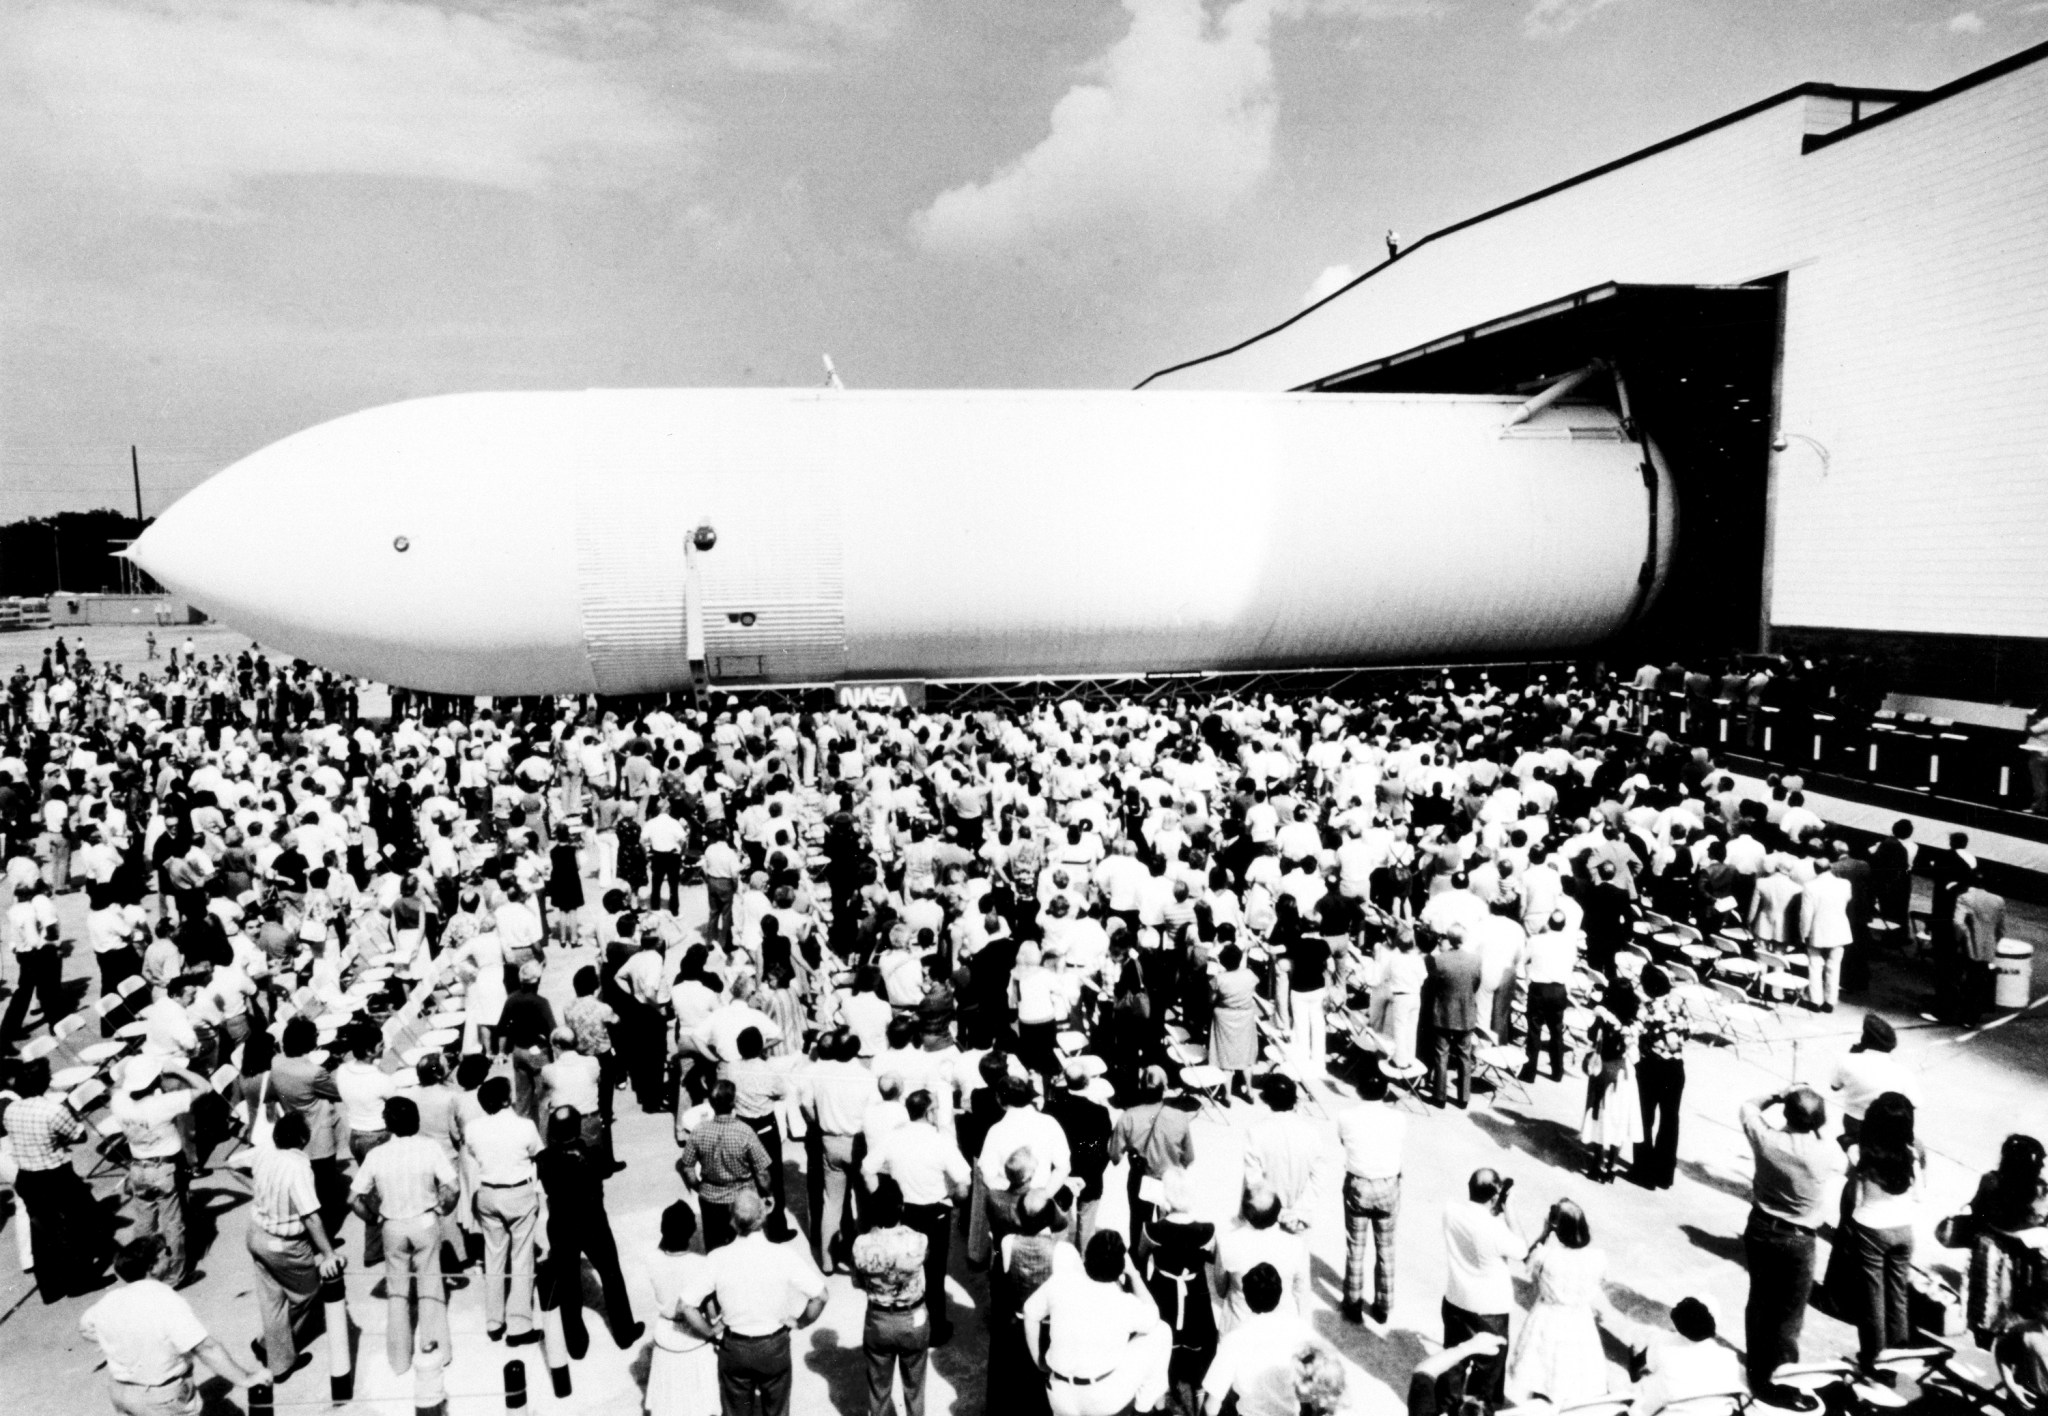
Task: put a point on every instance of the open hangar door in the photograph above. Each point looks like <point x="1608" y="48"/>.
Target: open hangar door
<point x="1699" y="365"/>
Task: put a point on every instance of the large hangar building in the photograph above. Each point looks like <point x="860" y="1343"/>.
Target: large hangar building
<point x="1830" y="309"/>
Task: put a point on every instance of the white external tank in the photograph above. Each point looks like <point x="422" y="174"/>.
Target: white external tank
<point x="526" y="543"/>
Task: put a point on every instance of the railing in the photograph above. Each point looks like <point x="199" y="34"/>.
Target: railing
<point x="1956" y="761"/>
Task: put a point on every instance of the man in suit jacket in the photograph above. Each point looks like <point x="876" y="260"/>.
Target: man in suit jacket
<point x="1456" y="969"/>
<point x="1979" y="925"/>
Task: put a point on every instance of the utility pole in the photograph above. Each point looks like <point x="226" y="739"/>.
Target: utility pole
<point x="131" y="573"/>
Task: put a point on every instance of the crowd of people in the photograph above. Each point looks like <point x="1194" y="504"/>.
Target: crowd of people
<point x="969" y="964"/>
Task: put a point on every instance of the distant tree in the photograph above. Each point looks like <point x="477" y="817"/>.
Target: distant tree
<point x="78" y="545"/>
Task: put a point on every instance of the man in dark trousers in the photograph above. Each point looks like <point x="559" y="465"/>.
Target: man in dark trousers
<point x="1455" y="968"/>
<point x="1792" y="1193"/>
<point x="1608" y="914"/>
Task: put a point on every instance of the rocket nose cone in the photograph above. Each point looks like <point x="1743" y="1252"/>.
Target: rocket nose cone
<point x="414" y="544"/>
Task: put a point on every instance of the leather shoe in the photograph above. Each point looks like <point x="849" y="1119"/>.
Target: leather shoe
<point x="524" y="1339"/>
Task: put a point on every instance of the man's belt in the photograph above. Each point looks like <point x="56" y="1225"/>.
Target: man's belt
<point x="913" y="1307"/>
<point x="1079" y="1381"/>
<point x="504" y="1184"/>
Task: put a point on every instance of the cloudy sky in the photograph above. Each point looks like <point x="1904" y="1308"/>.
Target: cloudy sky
<point x="224" y="220"/>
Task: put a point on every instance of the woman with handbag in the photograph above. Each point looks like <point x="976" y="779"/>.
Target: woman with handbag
<point x="2007" y="1273"/>
<point x="1613" y="1122"/>
<point x="1873" y="1249"/>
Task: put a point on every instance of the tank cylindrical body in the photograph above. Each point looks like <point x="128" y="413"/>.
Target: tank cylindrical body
<point x="543" y="542"/>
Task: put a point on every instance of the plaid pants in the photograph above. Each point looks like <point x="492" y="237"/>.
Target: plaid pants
<point x="1370" y="1207"/>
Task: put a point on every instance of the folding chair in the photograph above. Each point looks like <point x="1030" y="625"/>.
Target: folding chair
<point x="1742" y="1017"/>
<point x="1499" y="1066"/>
<point x="1711" y="1403"/>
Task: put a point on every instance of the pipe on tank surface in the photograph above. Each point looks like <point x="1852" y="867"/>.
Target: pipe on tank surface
<point x="528" y="543"/>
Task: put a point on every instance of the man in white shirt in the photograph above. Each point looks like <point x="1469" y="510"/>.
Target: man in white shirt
<point x="499" y="1149"/>
<point x="1255" y="1360"/>
<point x="1548" y="962"/>
<point x="149" y="1337"/>
<point x="1871" y="1069"/>
<point x="1824" y="921"/>
<point x="158" y="1177"/>
<point x="1484" y="1254"/>
<point x="763" y="1290"/>
<point x="932" y="1174"/>
<point x="1260" y="1240"/>
<point x="664" y="837"/>
<point x="836" y="1093"/>
<point x="1698" y="1365"/>
<point x="1099" y="1336"/>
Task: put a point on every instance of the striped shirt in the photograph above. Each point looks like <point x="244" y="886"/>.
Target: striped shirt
<point x="281" y="1192"/>
<point x="42" y="1127"/>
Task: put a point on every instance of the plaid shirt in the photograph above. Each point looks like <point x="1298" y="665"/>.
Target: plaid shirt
<point x="729" y="1157"/>
<point x="42" y="1128"/>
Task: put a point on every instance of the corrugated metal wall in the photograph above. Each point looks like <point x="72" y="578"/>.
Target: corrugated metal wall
<point x="1916" y="351"/>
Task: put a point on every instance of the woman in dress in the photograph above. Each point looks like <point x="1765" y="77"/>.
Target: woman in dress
<point x="1873" y="1250"/>
<point x="1178" y="1248"/>
<point x="482" y="1005"/>
<point x="1557" y="1355"/>
<point x="2006" y="1273"/>
<point x="1234" y="1019"/>
<point x="682" y="1370"/>
<point x="1613" y="1123"/>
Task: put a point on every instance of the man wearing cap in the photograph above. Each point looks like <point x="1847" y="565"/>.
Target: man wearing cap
<point x="159" y="1177"/>
<point x="763" y="1290"/>
<point x="501" y="1146"/>
<point x="1081" y="1107"/>
<point x="404" y="1187"/>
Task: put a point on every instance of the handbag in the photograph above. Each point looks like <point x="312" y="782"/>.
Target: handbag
<point x="1958" y="1231"/>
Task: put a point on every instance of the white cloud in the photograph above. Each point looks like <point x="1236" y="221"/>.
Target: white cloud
<point x="1546" y="18"/>
<point x="202" y="96"/>
<point x="1333" y="279"/>
<point x="1968" y="22"/>
<point x="1175" y="128"/>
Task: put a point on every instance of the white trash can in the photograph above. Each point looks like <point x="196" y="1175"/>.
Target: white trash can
<point x="2015" y="970"/>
